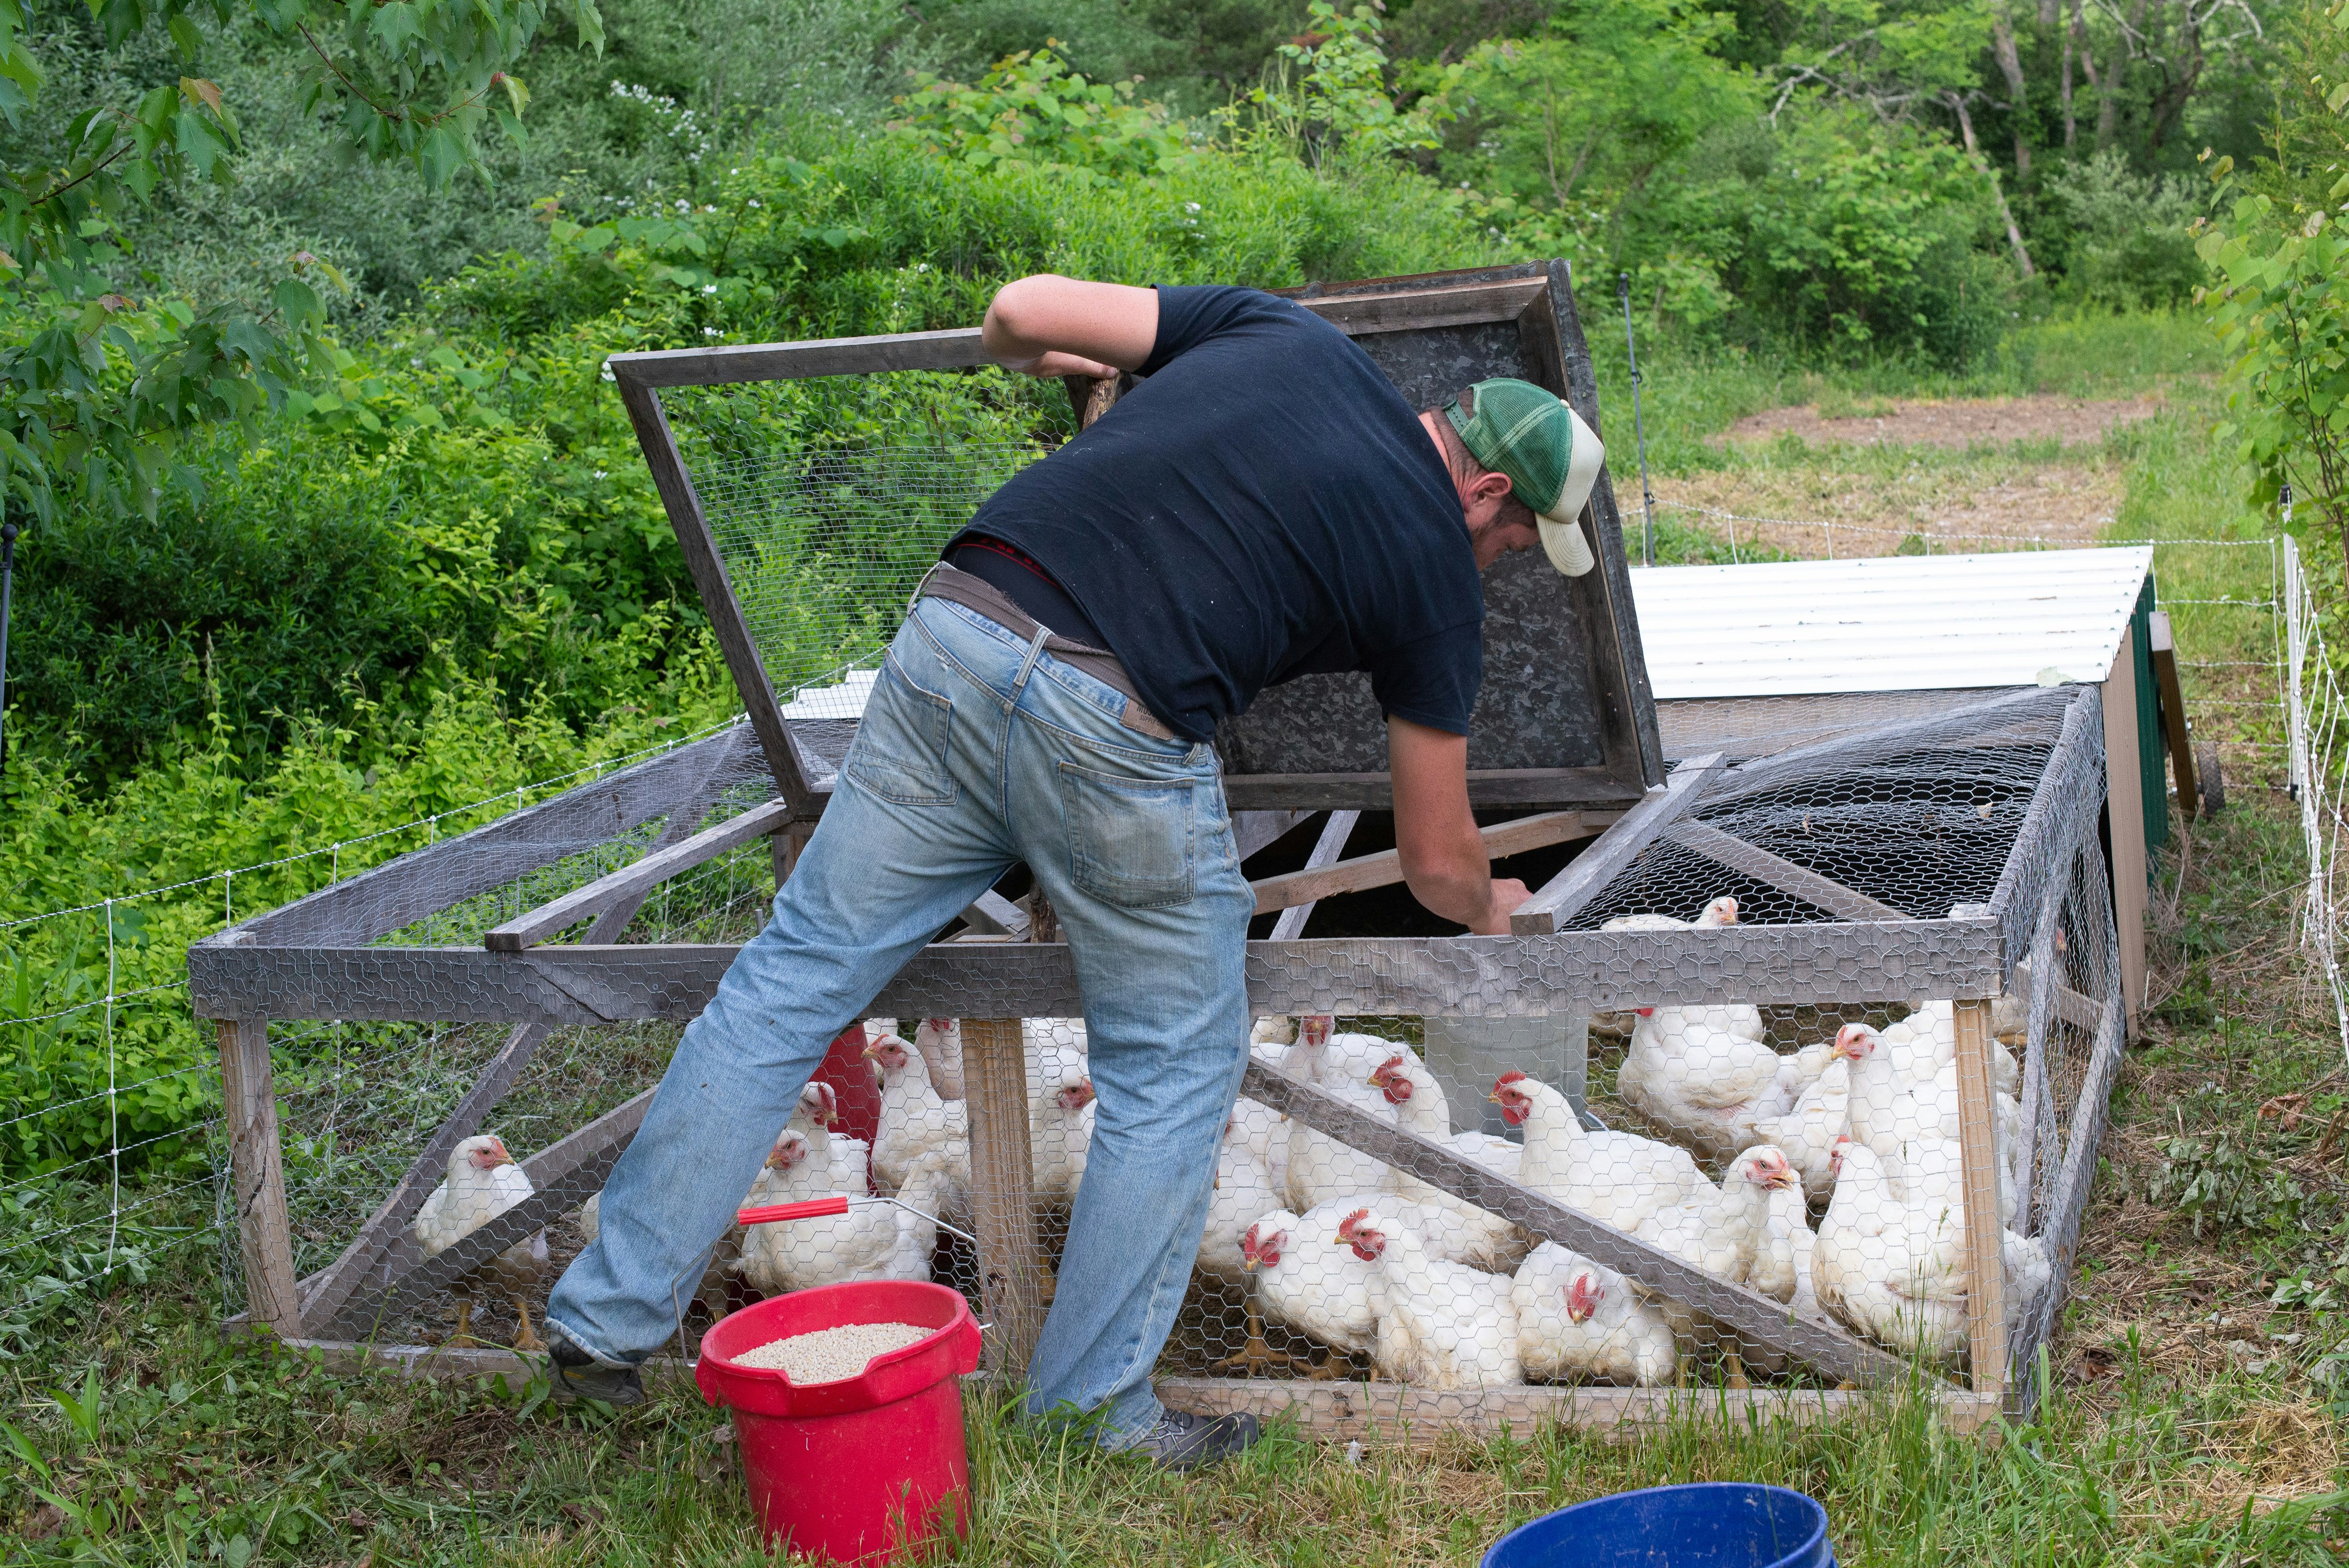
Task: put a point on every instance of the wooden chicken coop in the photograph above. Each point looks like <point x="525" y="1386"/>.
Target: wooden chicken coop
<point x="532" y="973"/>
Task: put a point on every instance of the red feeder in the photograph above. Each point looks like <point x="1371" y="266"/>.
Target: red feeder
<point x="864" y="1469"/>
<point x="853" y="1089"/>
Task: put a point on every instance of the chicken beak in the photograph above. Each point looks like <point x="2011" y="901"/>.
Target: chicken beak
<point x="871" y="1053"/>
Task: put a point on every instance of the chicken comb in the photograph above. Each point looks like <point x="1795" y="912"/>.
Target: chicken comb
<point x="1511" y="1076"/>
<point x="1346" y="1226"/>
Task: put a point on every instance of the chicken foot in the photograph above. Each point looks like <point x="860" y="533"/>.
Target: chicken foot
<point x="1256" y="1355"/>
<point x="528" y="1339"/>
<point x="464" y="1338"/>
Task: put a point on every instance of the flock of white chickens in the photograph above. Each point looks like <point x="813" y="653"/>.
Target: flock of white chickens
<point x="1366" y="1258"/>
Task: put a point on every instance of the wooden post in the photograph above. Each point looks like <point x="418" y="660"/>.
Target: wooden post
<point x="1011" y="1263"/>
<point x="2125" y="806"/>
<point x="786" y="846"/>
<point x="2174" y="727"/>
<point x="1978" y="1147"/>
<point x="257" y="1174"/>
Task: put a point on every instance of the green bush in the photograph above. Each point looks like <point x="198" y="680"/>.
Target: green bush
<point x="2124" y="244"/>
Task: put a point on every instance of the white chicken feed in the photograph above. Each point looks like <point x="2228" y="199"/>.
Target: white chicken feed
<point x="829" y="1354"/>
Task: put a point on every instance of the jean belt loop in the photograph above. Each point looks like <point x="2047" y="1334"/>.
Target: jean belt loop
<point x="921" y="587"/>
<point x="1035" y="652"/>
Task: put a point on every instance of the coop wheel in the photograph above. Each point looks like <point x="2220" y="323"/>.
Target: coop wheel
<point x="2213" y="782"/>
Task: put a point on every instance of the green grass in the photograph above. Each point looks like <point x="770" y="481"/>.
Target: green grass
<point x="2160" y="1446"/>
<point x="1691" y="392"/>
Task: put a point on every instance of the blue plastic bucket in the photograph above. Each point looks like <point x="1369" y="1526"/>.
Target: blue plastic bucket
<point x="1711" y="1524"/>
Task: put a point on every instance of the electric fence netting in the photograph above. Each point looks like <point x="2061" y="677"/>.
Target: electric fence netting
<point x="113" y="1148"/>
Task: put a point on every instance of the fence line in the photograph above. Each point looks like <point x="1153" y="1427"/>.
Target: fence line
<point x="2317" y="775"/>
<point x="2300" y="723"/>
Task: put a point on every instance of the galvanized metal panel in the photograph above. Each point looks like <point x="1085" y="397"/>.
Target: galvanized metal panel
<point x="1902" y="623"/>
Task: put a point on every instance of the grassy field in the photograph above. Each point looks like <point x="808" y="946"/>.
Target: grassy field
<point x="2200" y="1410"/>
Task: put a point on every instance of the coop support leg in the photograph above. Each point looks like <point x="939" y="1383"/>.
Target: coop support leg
<point x="257" y="1175"/>
<point x="1011" y="1261"/>
<point x="1978" y="1145"/>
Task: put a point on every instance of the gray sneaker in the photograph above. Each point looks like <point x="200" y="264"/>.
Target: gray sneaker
<point x="579" y="1375"/>
<point x="1182" y="1441"/>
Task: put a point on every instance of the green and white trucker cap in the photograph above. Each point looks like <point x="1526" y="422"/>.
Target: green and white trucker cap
<point x="1551" y="457"/>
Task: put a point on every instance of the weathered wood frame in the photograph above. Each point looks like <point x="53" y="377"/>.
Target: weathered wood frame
<point x="1537" y="298"/>
<point x="316" y="958"/>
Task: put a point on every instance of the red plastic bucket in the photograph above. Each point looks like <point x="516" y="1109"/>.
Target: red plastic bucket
<point x="860" y="1469"/>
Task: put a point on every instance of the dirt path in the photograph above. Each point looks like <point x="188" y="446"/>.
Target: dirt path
<point x="1913" y="475"/>
<point x="1959" y="422"/>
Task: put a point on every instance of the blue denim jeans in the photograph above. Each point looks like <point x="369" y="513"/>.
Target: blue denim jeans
<point x="977" y="751"/>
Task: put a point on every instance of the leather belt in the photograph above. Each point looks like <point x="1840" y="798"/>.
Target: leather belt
<point x="976" y="594"/>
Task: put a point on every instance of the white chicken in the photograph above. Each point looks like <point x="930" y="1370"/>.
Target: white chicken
<point x="1925" y="1044"/>
<point x="1691" y="1074"/>
<point x="1888" y="1264"/>
<point x="1473" y="1236"/>
<point x="1617" y="1177"/>
<point x="1059" y="1128"/>
<point x="1320" y="1168"/>
<point x="1727" y="1232"/>
<point x="1244" y="1192"/>
<point x="1050" y="1041"/>
<point x="1808" y="1130"/>
<point x="483" y="1182"/>
<point x="1269" y="1036"/>
<point x="874" y="1240"/>
<point x="1308" y="1282"/>
<point x="1729" y="1235"/>
<point x="939" y="1040"/>
<point x="1441" y="1324"/>
<point x="1578" y="1319"/>
<point x="913" y="1119"/>
<point x="1885" y="1112"/>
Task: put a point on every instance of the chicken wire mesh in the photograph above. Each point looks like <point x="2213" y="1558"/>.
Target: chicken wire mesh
<point x="1802" y="1156"/>
<point x="825" y="524"/>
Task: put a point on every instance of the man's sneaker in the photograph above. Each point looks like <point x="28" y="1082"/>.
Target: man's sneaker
<point x="579" y="1375"/>
<point x="1182" y="1441"/>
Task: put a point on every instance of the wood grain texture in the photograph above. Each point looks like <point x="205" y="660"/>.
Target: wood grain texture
<point x="1488" y="789"/>
<point x="2175" y="730"/>
<point x="1978" y="1147"/>
<point x="1325" y="852"/>
<point x="2125" y="806"/>
<point x="956" y="349"/>
<point x="1586" y="875"/>
<point x="636" y="879"/>
<point x="1385" y="868"/>
<point x="1884" y="961"/>
<point x="264" y="1237"/>
<point x="1418" y="309"/>
<point x="1822" y="892"/>
<point x="1003" y="1214"/>
<point x="1395" y="1415"/>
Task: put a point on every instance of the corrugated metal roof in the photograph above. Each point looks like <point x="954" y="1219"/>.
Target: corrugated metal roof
<point x="1896" y="623"/>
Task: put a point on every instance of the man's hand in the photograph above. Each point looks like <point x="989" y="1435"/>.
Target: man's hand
<point x="1050" y="326"/>
<point x="1444" y="858"/>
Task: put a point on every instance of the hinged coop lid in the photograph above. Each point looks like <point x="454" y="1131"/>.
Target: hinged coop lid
<point x="806" y="533"/>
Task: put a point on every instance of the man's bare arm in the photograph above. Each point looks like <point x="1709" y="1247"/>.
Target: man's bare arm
<point x="1443" y="854"/>
<point x="1051" y="326"/>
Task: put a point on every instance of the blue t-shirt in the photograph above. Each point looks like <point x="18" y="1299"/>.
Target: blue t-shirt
<point x="1263" y="505"/>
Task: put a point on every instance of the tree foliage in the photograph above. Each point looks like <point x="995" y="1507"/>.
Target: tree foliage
<point x="99" y="387"/>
